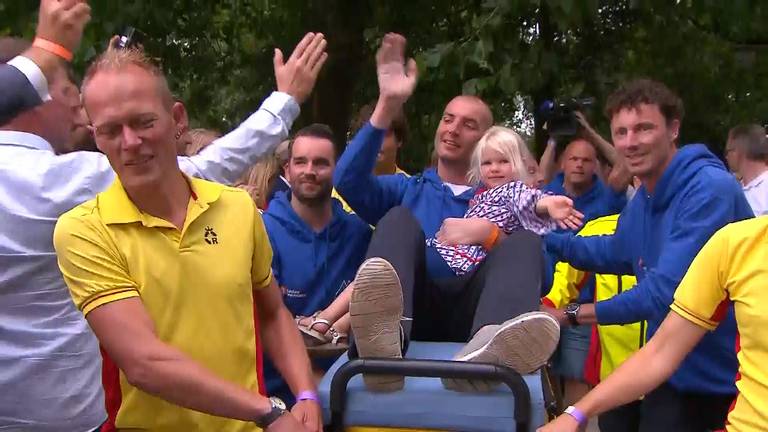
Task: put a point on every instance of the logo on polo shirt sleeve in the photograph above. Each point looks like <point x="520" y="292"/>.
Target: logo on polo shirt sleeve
<point x="210" y="236"/>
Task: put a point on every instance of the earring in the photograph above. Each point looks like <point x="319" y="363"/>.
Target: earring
<point x="178" y="135"/>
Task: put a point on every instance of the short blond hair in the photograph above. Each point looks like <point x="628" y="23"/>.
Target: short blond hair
<point x="198" y="139"/>
<point x="505" y="141"/>
<point x="118" y="59"/>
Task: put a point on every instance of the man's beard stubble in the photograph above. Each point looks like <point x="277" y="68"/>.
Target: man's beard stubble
<point x="314" y="200"/>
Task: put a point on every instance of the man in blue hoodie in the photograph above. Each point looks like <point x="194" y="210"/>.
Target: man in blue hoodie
<point x="686" y="195"/>
<point x="404" y="274"/>
<point x="317" y="246"/>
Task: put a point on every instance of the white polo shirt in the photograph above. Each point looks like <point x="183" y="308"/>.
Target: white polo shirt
<point x="50" y="366"/>
<point x="757" y="194"/>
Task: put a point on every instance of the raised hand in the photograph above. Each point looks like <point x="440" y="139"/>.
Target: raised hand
<point x="63" y="21"/>
<point x="397" y="78"/>
<point x="298" y="75"/>
<point x="560" y="209"/>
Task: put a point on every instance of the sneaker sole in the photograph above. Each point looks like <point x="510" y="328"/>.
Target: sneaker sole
<point x="524" y="345"/>
<point x="375" y="310"/>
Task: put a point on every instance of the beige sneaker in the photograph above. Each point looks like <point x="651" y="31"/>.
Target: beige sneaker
<point x="524" y="344"/>
<point x="375" y="311"/>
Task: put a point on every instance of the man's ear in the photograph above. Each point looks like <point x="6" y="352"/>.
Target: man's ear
<point x="180" y="117"/>
<point x="674" y="129"/>
<point x="285" y="171"/>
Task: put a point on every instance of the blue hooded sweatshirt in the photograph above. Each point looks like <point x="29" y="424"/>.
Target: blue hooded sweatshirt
<point x="371" y="196"/>
<point x="657" y="237"/>
<point x="311" y="267"/>
<point x="600" y="200"/>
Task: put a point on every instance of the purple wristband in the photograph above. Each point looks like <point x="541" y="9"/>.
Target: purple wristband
<point x="577" y="415"/>
<point x="308" y="395"/>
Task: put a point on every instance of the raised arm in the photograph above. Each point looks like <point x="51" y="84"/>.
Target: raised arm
<point x="224" y="161"/>
<point x="547" y="163"/>
<point x="24" y="79"/>
<point x="227" y="158"/>
<point x="370" y="196"/>
<point x="620" y="176"/>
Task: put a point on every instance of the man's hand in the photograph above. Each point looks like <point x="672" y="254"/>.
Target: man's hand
<point x="471" y="231"/>
<point x="397" y="79"/>
<point x="564" y="423"/>
<point x="286" y="423"/>
<point x="584" y="123"/>
<point x="297" y="76"/>
<point x="309" y="414"/>
<point x="557" y="314"/>
<point x="560" y="209"/>
<point x="63" y="21"/>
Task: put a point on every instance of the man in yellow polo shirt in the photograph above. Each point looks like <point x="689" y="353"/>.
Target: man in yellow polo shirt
<point x="729" y="269"/>
<point x="168" y="269"/>
<point x="610" y="345"/>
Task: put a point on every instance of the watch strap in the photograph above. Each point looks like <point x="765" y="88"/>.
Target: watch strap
<point x="571" y="312"/>
<point x="274" y="413"/>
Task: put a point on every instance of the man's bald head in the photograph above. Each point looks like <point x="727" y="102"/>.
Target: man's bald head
<point x="485" y="115"/>
<point x="579" y="164"/>
<point x="465" y="119"/>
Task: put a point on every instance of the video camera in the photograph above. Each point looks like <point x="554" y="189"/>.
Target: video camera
<point x="561" y="115"/>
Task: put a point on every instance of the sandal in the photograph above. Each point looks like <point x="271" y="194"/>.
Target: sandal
<point x="311" y="336"/>
<point x="337" y="346"/>
<point x="338" y="338"/>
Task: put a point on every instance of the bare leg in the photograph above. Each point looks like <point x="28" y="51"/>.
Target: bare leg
<point x="342" y="324"/>
<point x="334" y="313"/>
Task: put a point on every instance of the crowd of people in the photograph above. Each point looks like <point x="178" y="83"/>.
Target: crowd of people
<point x="146" y="268"/>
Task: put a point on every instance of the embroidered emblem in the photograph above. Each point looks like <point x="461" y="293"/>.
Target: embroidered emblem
<point x="210" y="236"/>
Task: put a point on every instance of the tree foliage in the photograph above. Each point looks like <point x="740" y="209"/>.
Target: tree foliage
<point x="513" y="53"/>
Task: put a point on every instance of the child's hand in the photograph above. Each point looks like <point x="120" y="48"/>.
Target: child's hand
<point x="560" y="208"/>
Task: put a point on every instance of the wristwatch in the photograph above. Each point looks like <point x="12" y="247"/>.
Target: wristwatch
<point x="572" y="313"/>
<point x="277" y="410"/>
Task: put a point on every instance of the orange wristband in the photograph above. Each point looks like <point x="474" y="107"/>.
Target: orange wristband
<point x="53" y="48"/>
<point x="490" y="242"/>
